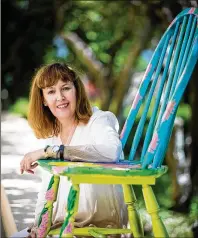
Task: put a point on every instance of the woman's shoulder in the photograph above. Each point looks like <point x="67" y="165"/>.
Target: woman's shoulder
<point x="100" y="114"/>
<point x="49" y="140"/>
<point x="103" y="117"/>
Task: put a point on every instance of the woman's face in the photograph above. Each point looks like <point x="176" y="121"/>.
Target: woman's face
<point x="61" y="99"/>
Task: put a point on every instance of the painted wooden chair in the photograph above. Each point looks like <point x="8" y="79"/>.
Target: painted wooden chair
<point x="160" y="92"/>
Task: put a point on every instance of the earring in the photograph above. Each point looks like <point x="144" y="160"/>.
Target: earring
<point x="45" y="104"/>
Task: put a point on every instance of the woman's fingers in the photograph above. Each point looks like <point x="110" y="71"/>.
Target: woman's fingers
<point x="26" y="165"/>
<point x="30" y="171"/>
<point x="33" y="166"/>
<point x="28" y="162"/>
<point x="22" y="168"/>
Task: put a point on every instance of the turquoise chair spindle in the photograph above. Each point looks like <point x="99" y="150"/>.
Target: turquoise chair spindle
<point x="179" y="38"/>
<point x="161" y="90"/>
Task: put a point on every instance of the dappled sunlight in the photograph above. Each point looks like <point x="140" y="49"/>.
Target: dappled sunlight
<point x="177" y="226"/>
<point x="21" y="190"/>
<point x="14" y="192"/>
<point x="21" y="184"/>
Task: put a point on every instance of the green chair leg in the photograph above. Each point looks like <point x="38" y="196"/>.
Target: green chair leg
<point x="134" y="217"/>
<point x="45" y="219"/>
<point x="72" y="209"/>
<point x="159" y="230"/>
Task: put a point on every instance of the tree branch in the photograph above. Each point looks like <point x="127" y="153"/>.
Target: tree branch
<point x="87" y="58"/>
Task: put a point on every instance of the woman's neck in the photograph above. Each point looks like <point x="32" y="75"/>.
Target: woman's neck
<point x="67" y="130"/>
<point x="66" y="125"/>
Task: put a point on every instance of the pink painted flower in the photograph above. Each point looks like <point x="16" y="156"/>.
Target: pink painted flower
<point x="192" y="9"/>
<point x="58" y="169"/>
<point x="123" y="130"/>
<point x="172" y="23"/>
<point x="45" y="218"/>
<point x="41" y="232"/>
<point x="49" y="195"/>
<point x="68" y="229"/>
<point x="43" y="226"/>
<point x="169" y="110"/>
<point x="138" y="97"/>
<point x="147" y="70"/>
<point x="154" y="143"/>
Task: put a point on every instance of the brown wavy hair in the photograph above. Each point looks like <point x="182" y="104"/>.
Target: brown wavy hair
<point x="40" y="118"/>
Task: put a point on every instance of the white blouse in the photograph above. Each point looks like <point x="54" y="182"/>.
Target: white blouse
<point x="99" y="205"/>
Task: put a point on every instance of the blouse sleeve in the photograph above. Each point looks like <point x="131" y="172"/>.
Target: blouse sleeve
<point x="106" y="146"/>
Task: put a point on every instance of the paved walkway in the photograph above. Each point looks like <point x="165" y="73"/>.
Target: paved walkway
<point x="16" y="140"/>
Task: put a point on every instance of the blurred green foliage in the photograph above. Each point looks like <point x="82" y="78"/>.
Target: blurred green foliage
<point x="184" y="111"/>
<point x="108" y="31"/>
<point x="177" y="224"/>
<point x="20" y="107"/>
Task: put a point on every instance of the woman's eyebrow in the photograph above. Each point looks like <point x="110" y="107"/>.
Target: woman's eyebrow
<point x="66" y="84"/>
<point x="50" y="87"/>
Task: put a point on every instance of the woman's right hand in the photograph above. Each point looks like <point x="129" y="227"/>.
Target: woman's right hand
<point x="28" y="162"/>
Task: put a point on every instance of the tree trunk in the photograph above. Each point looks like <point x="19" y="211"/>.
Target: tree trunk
<point x="123" y="80"/>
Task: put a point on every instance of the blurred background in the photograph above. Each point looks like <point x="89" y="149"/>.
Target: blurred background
<point x="109" y="43"/>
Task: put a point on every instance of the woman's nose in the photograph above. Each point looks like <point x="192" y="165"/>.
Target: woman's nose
<point x="60" y="96"/>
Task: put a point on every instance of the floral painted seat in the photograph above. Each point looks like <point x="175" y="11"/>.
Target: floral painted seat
<point x="159" y="95"/>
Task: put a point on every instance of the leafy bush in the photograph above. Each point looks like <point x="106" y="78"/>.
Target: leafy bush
<point x="20" y="107"/>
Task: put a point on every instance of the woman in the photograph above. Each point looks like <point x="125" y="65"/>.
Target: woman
<point x="60" y="112"/>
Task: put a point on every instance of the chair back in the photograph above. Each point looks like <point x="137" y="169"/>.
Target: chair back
<point x="161" y="89"/>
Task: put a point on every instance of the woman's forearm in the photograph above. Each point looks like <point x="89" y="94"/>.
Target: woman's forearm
<point x="92" y="153"/>
<point x="89" y="153"/>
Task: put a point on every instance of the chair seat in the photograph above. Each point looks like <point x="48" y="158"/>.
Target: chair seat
<point x="103" y="173"/>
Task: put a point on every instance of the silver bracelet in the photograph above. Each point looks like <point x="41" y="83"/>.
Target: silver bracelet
<point x="51" y="152"/>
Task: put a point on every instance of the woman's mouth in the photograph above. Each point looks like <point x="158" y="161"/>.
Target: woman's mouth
<point x="63" y="105"/>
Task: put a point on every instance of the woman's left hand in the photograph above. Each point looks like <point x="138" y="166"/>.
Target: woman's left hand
<point x="28" y="162"/>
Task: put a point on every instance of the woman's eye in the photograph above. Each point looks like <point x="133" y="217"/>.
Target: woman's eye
<point x="66" y="88"/>
<point x="51" y="92"/>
